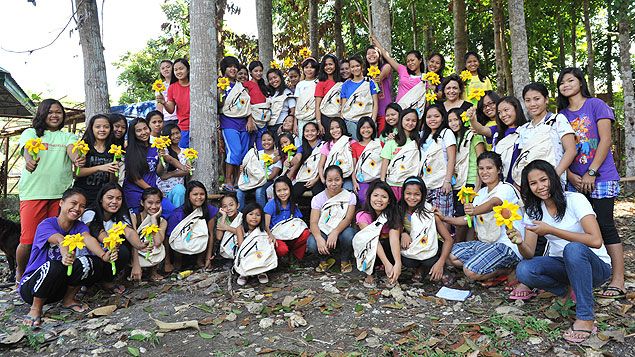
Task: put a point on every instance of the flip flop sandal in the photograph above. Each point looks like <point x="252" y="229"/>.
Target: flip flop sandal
<point x="72" y="307"/>
<point x="346" y="267"/>
<point x="514" y="295"/>
<point x="494" y="281"/>
<point x="602" y="293"/>
<point x="369" y="285"/>
<point x="572" y="339"/>
<point x="32" y="322"/>
<point x="511" y="285"/>
<point x="324" y="266"/>
<point x="228" y="188"/>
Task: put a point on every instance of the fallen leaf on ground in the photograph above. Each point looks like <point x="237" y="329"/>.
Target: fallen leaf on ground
<point x="173" y="326"/>
<point x="103" y="311"/>
<point x="361" y="336"/>
<point x="304" y="301"/>
<point x="14" y="337"/>
<point x="406" y="328"/>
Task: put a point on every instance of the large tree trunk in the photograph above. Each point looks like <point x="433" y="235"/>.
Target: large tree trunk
<point x="413" y="19"/>
<point x="507" y="64"/>
<point x="337" y="28"/>
<point x="609" y="53"/>
<point x="562" y="53"/>
<point x="460" y="34"/>
<point x="498" y="40"/>
<point x="95" y="80"/>
<point x="313" y="28"/>
<point x="265" y="32"/>
<point x="203" y="76"/>
<point x="626" y="71"/>
<point x="589" y="41"/>
<point x="381" y="26"/>
<point x="220" y="14"/>
<point x="520" y="58"/>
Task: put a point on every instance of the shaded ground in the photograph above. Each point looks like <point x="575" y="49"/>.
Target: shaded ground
<point x="304" y="313"/>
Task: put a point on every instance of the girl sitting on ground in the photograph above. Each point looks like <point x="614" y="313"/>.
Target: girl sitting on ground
<point x="263" y="258"/>
<point x="151" y="215"/>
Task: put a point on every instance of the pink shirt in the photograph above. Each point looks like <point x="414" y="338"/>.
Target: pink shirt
<point x="366" y="218"/>
<point x="406" y="81"/>
<point x="326" y="149"/>
<point x="318" y="201"/>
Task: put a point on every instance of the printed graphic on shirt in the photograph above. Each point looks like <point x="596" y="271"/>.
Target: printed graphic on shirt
<point x="586" y="142"/>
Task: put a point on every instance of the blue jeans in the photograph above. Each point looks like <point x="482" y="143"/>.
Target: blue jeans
<point x="351" y="127"/>
<point x="260" y="193"/>
<point x="344" y="244"/>
<point x="578" y="267"/>
<point x="185" y="139"/>
<point x="177" y="195"/>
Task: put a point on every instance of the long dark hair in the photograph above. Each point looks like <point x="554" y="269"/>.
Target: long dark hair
<point x="261" y="82"/>
<point x="361" y="122"/>
<point x="136" y="153"/>
<point x="187" y="205"/>
<point x="162" y="62"/>
<point x="480" y="115"/>
<point x="284" y="134"/>
<point x="322" y="75"/>
<point x="380" y="60"/>
<point x="533" y="204"/>
<point x="292" y="205"/>
<point x="342" y="125"/>
<point x="426" y="129"/>
<point x="401" y="137"/>
<point x="442" y="67"/>
<point x="252" y="206"/>
<point x="167" y="131"/>
<point x="392" y="212"/>
<point x="481" y="74"/>
<point x="420" y="208"/>
<point x="115" y="118"/>
<point x="39" y="120"/>
<point x="283" y="86"/>
<point x="184" y="62"/>
<point x="460" y="135"/>
<point x="563" y="102"/>
<point x="422" y="66"/>
<point x="306" y="147"/>
<point x="453" y="77"/>
<point x="388" y="129"/>
<point x="89" y="134"/>
<point x="97" y="224"/>
<point x="520" y="115"/>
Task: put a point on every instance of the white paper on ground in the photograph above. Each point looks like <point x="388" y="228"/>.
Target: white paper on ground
<point x="453" y="294"/>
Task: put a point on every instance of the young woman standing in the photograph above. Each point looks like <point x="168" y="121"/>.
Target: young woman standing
<point x="178" y="98"/>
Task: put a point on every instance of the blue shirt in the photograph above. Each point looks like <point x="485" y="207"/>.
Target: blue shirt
<point x="284" y="212"/>
<point x="349" y="87"/>
<point x="178" y="215"/>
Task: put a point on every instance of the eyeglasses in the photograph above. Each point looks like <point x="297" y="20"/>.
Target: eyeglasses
<point x="489" y="105"/>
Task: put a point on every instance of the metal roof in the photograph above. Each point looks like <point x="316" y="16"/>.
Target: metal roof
<point x="14" y="103"/>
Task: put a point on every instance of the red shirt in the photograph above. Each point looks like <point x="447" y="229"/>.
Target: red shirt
<point x="357" y="149"/>
<point x="180" y="95"/>
<point x="323" y="87"/>
<point x="254" y="92"/>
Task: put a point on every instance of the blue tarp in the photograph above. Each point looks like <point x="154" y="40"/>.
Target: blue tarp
<point x="135" y="110"/>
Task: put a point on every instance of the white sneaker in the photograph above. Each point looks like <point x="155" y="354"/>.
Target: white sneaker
<point x="263" y="278"/>
<point x="242" y="280"/>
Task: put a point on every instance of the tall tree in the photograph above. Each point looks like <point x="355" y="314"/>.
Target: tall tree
<point x="626" y="70"/>
<point x="497" y="12"/>
<point x="574" y="38"/>
<point x="203" y="105"/>
<point x="589" y="44"/>
<point x="313" y="27"/>
<point x="337" y="29"/>
<point x="520" y="58"/>
<point x="413" y="18"/>
<point x="381" y="26"/>
<point x="95" y="80"/>
<point x="460" y="34"/>
<point x="562" y="53"/>
<point x="608" y="60"/>
<point x="265" y="31"/>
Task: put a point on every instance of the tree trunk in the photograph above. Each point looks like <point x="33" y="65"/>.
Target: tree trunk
<point x="95" y="80"/>
<point x="589" y="41"/>
<point x="220" y="14"/>
<point x="507" y="64"/>
<point x="203" y="106"/>
<point x="561" y="55"/>
<point x="430" y="46"/>
<point x="460" y="34"/>
<point x="574" y="25"/>
<point x="609" y="54"/>
<point x="313" y="28"/>
<point x="337" y="29"/>
<point x="520" y="58"/>
<point x="498" y="50"/>
<point x="413" y="19"/>
<point x="265" y="32"/>
<point x="381" y="26"/>
<point x="626" y="71"/>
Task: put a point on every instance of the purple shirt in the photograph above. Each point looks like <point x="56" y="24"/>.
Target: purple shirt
<point x="132" y="192"/>
<point x="385" y="96"/>
<point x="584" y="124"/>
<point x="41" y="250"/>
<point x="177" y="216"/>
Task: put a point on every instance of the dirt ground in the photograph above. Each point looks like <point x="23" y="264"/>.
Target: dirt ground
<point x="303" y="313"/>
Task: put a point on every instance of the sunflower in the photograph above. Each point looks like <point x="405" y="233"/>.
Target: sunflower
<point x="288" y="62"/>
<point x="476" y="94"/>
<point x="430" y="97"/>
<point x="274" y="65"/>
<point x="481" y="220"/>
<point x="34" y="146"/>
<point x="424" y="240"/>
<point x="158" y="86"/>
<point x="432" y="78"/>
<point x="243" y="102"/>
<point x="305" y="52"/>
<point x="337" y="100"/>
<point x="259" y="254"/>
<point x="402" y="167"/>
<point x="465" y="76"/>
<point x="372" y="163"/>
<point x="466" y="194"/>
<point x="373" y="71"/>
<point x="223" y="83"/>
<point x="359" y="104"/>
<point x="506" y="214"/>
<point x="428" y="170"/>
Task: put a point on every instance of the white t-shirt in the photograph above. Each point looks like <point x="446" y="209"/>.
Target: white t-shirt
<point x="288" y="104"/>
<point x="167" y="117"/>
<point x="87" y="218"/>
<point x="560" y="128"/>
<point x="504" y="191"/>
<point x="578" y="207"/>
<point x="446" y="136"/>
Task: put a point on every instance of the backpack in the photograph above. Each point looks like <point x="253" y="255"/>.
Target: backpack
<point x="424" y="243"/>
<point x="462" y="161"/>
<point x="289" y="229"/>
<point x="261" y="113"/>
<point x="415" y="98"/>
<point x="365" y="245"/>
<point x="334" y="211"/>
<point x="331" y="103"/>
<point x="406" y="163"/>
<point x="236" y="103"/>
<point x="228" y="243"/>
<point x="485" y="224"/>
<point x="309" y="168"/>
<point x="253" y="173"/>
<point x="255" y="255"/>
<point x="277" y="103"/>
<point x="540" y="147"/>
<point x="190" y="235"/>
<point x="435" y="163"/>
<point x="359" y="104"/>
<point x="368" y="166"/>
<point x="505" y="148"/>
<point x="342" y="156"/>
<point x="157" y="254"/>
<point x="305" y="103"/>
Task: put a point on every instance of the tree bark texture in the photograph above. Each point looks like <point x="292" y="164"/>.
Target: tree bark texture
<point x="626" y="71"/>
<point x="574" y="35"/>
<point x="520" y="58"/>
<point x="608" y="59"/>
<point x="507" y="64"/>
<point x="337" y="29"/>
<point x="313" y="28"/>
<point x="203" y="96"/>
<point x="95" y="80"/>
<point x="497" y="12"/>
<point x="381" y="26"/>
<point x="590" y="55"/>
<point x="265" y="32"/>
<point x="413" y="19"/>
<point x="562" y="53"/>
<point x="460" y="34"/>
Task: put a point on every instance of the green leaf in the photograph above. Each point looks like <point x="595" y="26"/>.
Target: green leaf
<point x="308" y="337"/>
<point x="133" y="351"/>
<point x="359" y="308"/>
<point x="205" y="308"/>
<point x="206" y="336"/>
<point x="137" y="337"/>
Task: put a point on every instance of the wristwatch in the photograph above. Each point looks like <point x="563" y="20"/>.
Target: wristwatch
<point x="593" y="173"/>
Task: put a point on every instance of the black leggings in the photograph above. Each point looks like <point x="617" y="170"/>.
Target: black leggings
<point x="603" y="208"/>
<point x="50" y="282"/>
<point x="299" y="189"/>
<point x="426" y="264"/>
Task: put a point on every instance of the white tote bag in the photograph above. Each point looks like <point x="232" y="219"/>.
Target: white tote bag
<point x="334" y="211"/>
<point x="331" y="103"/>
<point x="157" y="254"/>
<point x="190" y="236"/>
<point x="255" y="255"/>
<point x="228" y="243"/>
<point x="253" y="173"/>
<point x="289" y="229"/>
<point x="369" y="164"/>
<point x="365" y="245"/>
<point x="423" y="234"/>
<point x="342" y="156"/>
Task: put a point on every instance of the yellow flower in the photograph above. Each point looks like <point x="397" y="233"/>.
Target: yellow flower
<point x="80" y="147"/>
<point x="359" y="104"/>
<point x="190" y="154"/>
<point x="117" y="151"/>
<point x="158" y="86"/>
<point x="373" y="71"/>
<point x="274" y="65"/>
<point x="305" y="52"/>
<point x="149" y="230"/>
<point x="223" y="83"/>
<point x="432" y="78"/>
<point x="465" y="76"/>
<point x="464" y="118"/>
<point x="506" y="214"/>
<point x="431" y="97"/>
<point x="34" y="146"/>
<point x="112" y="241"/>
<point x="268" y="159"/>
<point x="288" y="62"/>
<point x="161" y="142"/>
<point x="424" y="240"/>
<point x="428" y="170"/>
<point x="466" y="194"/>
<point x="73" y="241"/>
<point x="287" y="148"/>
<point x="476" y="94"/>
<point x="372" y="163"/>
<point x="117" y="229"/>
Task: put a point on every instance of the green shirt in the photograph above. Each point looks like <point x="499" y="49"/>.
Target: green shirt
<point x="472" y="169"/>
<point x="390" y="149"/>
<point x="54" y="172"/>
